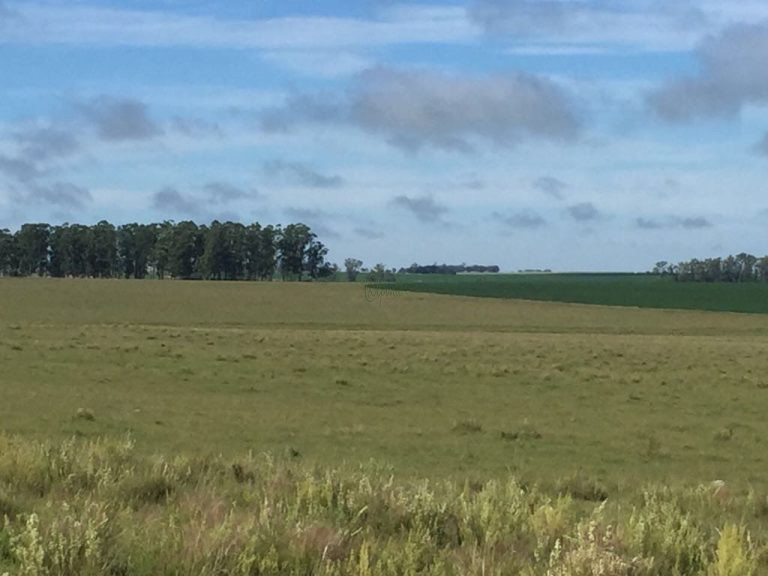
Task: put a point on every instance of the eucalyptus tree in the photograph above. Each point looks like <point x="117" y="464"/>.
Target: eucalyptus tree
<point x="32" y="249"/>
<point x="8" y="258"/>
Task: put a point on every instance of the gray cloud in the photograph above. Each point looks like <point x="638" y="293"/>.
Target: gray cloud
<point x="686" y="223"/>
<point x="214" y="194"/>
<point x="648" y="224"/>
<point x="584" y="212"/>
<point x="305" y="213"/>
<point x="34" y="146"/>
<point x="61" y="194"/>
<point x="223" y="192"/>
<point x="425" y="208"/>
<point x="550" y="186"/>
<point x="475" y="182"/>
<point x="733" y="74"/>
<point x="169" y="199"/>
<point x="321" y="108"/>
<point x="416" y="109"/>
<point x="301" y="174"/>
<point x="695" y="223"/>
<point x="195" y="127"/>
<point x="369" y="233"/>
<point x="316" y="219"/>
<point x="18" y="169"/>
<point x="762" y="146"/>
<point x="527" y="220"/>
<point x="119" y="119"/>
<point x="45" y="143"/>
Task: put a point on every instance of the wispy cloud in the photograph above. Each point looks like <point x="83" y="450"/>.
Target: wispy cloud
<point x="206" y="199"/>
<point x="119" y="119"/>
<point x="369" y="233"/>
<point x="169" y="200"/>
<point x="82" y="24"/>
<point x="318" y="220"/>
<point x="570" y="25"/>
<point x="584" y="212"/>
<point x="424" y="208"/>
<point x="302" y="174"/>
<point x="42" y="143"/>
<point x="323" y="64"/>
<point x="672" y="222"/>
<point x="524" y="220"/>
<point x="695" y="223"/>
<point x="223" y="192"/>
<point x="18" y="169"/>
<point x="61" y="194"/>
<point x="551" y="186"/>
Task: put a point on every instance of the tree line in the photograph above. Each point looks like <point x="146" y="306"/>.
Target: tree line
<point x="184" y="250"/>
<point x="739" y="268"/>
<point x="449" y="269"/>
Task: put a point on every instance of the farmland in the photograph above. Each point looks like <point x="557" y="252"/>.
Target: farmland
<point x="632" y="290"/>
<point x="584" y="402"/>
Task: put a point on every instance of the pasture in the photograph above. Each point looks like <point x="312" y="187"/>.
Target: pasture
<point x="161" y="427"/>
<point x="431" y="385"/>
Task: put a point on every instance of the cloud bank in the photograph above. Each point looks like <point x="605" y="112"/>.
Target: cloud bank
<point x="426" y="108"/>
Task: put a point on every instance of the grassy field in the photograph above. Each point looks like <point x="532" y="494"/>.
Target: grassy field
<point x="583" y="401"/>
<point x="430" y="384"/>
<point x="634" y="290"/>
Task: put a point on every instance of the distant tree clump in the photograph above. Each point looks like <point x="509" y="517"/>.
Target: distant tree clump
<point x="352" y="267"/>
<point x="380" y="273"/>
<point x="449" y="269"/>
<point x="184" y="250"/>
<point x="740" y="268"/>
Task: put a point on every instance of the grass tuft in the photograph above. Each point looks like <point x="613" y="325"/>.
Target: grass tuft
<point x="85" y="414"/>
<point x="467" y="427"/>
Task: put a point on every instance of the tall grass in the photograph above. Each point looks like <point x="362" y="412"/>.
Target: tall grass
<point x="97" y="507"/>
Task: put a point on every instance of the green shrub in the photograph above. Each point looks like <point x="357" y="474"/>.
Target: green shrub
<point x="735" y="553"/>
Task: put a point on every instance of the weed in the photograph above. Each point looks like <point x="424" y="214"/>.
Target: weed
<point x="467" y="427"/>
<point x="724" y="434"/>
<point x="85" y="414"/>
<point x="525" y="431"/>
<point x="140" y="491"/>
<point x="583" y="487"/>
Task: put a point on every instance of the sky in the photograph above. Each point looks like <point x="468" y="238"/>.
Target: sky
<point x="594" y="135"/>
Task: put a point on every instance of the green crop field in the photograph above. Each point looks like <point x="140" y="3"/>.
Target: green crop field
<point x="635" y="290"/>
<point x="202" y="378"/>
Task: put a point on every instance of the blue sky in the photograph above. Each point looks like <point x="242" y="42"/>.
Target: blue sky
<point x="563" y="134"/>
